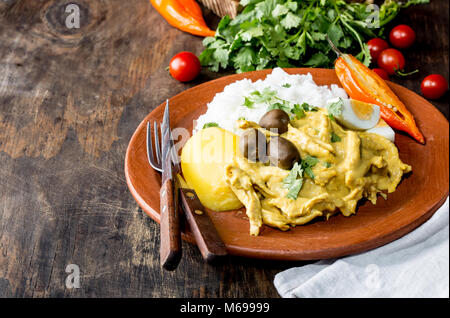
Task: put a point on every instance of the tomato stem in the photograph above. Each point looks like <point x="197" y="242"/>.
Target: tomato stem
<point x="402" y="74"/>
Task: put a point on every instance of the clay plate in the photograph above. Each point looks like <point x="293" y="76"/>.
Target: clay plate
<point x="417" y="197"/>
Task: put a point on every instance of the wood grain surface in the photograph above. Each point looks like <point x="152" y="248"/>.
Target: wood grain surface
<point x="70" y="100"/>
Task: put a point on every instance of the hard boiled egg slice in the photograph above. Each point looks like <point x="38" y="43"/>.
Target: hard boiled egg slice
<point x="354" y="114"/>
<point x="384" y="130"/>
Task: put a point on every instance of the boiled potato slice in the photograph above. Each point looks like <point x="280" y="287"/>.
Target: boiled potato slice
<point x="203" y="161"/>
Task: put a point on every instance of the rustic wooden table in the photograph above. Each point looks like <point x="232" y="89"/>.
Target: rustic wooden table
<point x="70" y="99"/>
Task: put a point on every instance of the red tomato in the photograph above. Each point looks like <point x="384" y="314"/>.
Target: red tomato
<point x="184" y="66"/>
<point x="382" y="73"/>
<point x="434" y="86"/>
<point x="391" y="60"/>
<point x="376" y="46"/>
<point x="402" y="36"/>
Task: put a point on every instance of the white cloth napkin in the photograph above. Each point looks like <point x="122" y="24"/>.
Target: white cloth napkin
<point x="416" y="265"/>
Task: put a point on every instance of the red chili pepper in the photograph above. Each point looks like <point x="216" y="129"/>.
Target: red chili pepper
<point x="185" y="15"/>
<point x="361" y="83"/>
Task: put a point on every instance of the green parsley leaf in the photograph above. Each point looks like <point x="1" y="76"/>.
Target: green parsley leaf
<point x="287" y="85"/>
<point x="290" y="21"/>
<point x="244" y="60"/>
<point x="294" y="189"/>
<point x="307" y="165"/>
<point x="261" y="97"/>
<point x="294" y="181"/>
<point x="334" y="137"/>
<point x="318" y="59"/>
<point x="309" y="108"/>
<point x="211" y="124"/>
<point x="311" y="161"/>
<point x="252" y="33"/>
<point x="335" y="109"/>
<point x="248" y="103"/>
<point x="335" y="33"/>
<point x="296" y="171"/>
<point x="280" y="10"/>
<point x="309" y="172"/>
<point x="292" y="33"/>
<point x="270" y="98"/>
<point x="298" y="111"/>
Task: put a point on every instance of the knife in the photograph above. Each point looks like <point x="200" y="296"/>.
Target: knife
<point x="170" y="232"/>
<point x="206" y="236"/>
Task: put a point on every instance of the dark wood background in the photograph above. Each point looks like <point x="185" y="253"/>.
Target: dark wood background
<point x="69" y="102"/>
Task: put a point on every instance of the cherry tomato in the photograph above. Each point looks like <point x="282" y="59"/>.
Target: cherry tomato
<point x="434" y="86"/>
<point x="402" y="36"/>
<point x="184" y="66"/>
<point x="391" y="60"/>
<point x="382" y="73"/>
<point x="376" y="46"/>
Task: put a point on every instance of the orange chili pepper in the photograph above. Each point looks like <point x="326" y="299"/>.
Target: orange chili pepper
<point x="361" y="83"/>
<point x="185" y="15"/>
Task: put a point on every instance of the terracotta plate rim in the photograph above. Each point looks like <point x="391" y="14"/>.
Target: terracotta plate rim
<point x="375" y="240"/>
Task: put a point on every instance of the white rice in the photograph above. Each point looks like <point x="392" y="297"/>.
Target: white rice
<point x="227" y="107"/>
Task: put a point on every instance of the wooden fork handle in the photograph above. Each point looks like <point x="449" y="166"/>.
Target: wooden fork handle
<point x="170" y="246"/>
<point x="208" y="240"/>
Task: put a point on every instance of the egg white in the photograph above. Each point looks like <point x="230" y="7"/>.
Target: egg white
<point x="373" y="124"/>
<point x="384" y="130"/>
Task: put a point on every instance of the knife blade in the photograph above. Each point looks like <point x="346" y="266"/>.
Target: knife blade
<point x="170" y="232"/>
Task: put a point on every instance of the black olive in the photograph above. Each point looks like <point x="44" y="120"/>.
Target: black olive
<point x="253" y="145"/>
<point x="275" y="119"/>
<point x="282" y="153"/>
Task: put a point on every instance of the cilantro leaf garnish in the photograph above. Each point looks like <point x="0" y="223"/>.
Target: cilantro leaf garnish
<point x="334" y="137"/>
<point x="294" y="180"/>
<point x="294" y="189"/>
<point x="211" y="124"/>
<point x="309" y="108"/>
<point x="248" y="103"/>
<point x="335" y="109"/>
<point x="310" y="161"/>
<point x="298" y="111"/>
<point x="269" y="97"/>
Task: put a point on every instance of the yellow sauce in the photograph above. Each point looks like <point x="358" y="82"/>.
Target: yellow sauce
<point x="360" y="165"/>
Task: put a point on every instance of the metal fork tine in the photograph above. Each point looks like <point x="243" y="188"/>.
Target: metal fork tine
<point x="149" y="144"/>
<point x="157" y="144"/>
<point x="155" y="165"/>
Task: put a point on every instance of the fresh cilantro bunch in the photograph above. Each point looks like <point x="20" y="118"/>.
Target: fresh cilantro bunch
<point x="292" y="33"/>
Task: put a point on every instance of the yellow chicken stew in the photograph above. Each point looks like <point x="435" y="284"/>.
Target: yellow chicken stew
<point x="343" y="166"/>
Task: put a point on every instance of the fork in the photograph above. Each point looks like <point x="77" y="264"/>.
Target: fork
<point x="162" y="161"/>
<point x="155" y="163"/>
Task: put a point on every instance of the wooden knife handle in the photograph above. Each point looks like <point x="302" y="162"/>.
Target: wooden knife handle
<point x="170" y="246"/>
<point x="208" y="240"/>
